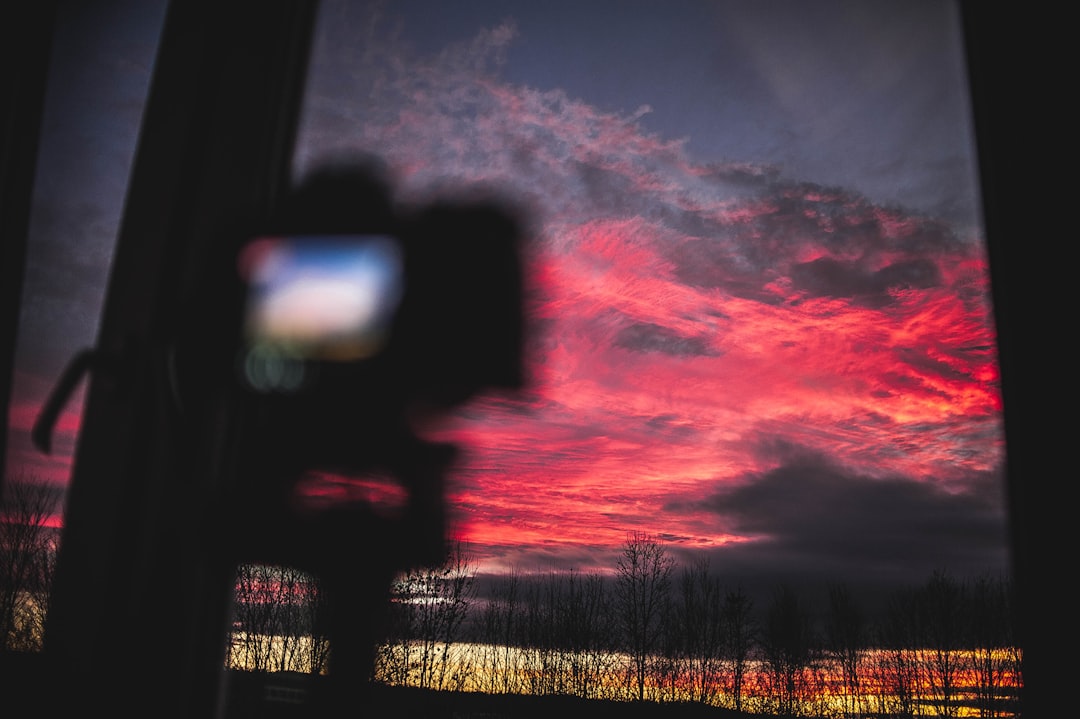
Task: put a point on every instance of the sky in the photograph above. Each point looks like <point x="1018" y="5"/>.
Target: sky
<point x="759" y="287"/>
<point x="102" y="59"/>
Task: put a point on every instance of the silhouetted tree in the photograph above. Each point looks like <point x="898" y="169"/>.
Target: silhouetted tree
<point x="429" y="608"/>
<point x="942" y="603"/>
<point x="585" y="633"/>
<point x="28" y="548"/>
<point x="699" y="629"/>
<point x="313" y="625"/>
<point x="291" y="596"/>
<point x="565" y="639"/>
<point x="500" y="635"/>
<point x="255" y="617"/>
<point x="542" y="655"/>
<point x="992" y="641"/>
<point x="739" y="632"/>
<point x="896" y="668"/>
<point x="787" y="643"/>
<point x="277" y="621"/>
<point x="393" y="659"/>
<point x="846" y="641"/>
<point x="643" y="574"/>
<point x="269" y="631"/>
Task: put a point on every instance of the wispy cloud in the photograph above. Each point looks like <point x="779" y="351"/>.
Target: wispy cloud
<point x="687" y="312"/>
<point x="783" y="373"/>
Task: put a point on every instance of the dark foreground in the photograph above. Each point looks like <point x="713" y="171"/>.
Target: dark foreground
<point x="280" y="695"/>
<point x="472" y="705"/>
<point x="27" y="690"/>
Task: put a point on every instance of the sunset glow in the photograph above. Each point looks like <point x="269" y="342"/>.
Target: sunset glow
<point x="760" y="324"/>
<point x="760" y="367"/>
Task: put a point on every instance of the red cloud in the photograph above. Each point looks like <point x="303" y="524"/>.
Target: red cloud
<point x="678" y="328"/>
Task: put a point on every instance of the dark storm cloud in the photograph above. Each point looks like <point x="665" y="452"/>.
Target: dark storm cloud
<point x="712" y="264"/>
<point x="670" y="426"/>
<point x="827" y="277"/>
<point x="648" y="337"/>
<point x="810" y="512"/>
<point x="924" y="364"/>
<point x="626" y="192"/>
<point x="843" y="221"/>
<point x="860" y="252"/>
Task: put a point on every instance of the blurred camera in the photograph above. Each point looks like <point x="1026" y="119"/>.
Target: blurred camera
<point x="427" y="301"/>
<point x="322" y="298"/>
<point x="361" y="317"/>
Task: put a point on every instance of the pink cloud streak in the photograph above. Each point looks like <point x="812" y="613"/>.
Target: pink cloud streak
<point x="688" y="313"/>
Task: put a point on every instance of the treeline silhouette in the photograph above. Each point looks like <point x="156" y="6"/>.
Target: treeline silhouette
<point x="28" y="547"/>
<point x="652" y="630"/>
<point x="647" y="629"/>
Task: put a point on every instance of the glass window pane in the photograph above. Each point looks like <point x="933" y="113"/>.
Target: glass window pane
<point x="759" y="275"/>
<point x="99" y="74"/>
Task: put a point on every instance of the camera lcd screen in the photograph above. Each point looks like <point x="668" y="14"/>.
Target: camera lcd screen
<point x="329" y="298"/>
